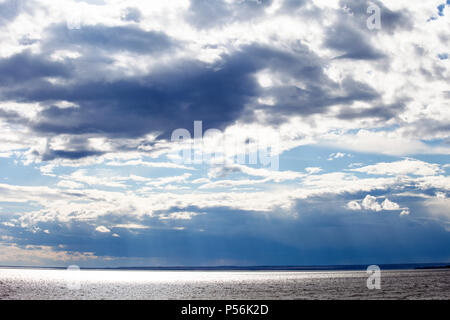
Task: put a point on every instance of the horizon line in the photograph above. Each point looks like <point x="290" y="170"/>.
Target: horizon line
<point x="330" y="267"/>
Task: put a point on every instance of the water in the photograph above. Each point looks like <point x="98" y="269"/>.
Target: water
<point x="102" y="284"/>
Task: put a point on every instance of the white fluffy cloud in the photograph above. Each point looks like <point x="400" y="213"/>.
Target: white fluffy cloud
<point x="371" y="203"/>
<point x="102" y="229"/>
<point x="404" y="167"/>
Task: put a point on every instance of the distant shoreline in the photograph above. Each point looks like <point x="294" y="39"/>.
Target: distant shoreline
<point x="406" y="266"/>
<point x="433" y="267"/>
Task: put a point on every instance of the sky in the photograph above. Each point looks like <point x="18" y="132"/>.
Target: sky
<point x="224" y="132"/>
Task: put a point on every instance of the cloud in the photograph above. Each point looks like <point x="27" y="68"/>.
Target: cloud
<point x="13" y="254"/>
<point x="160" y="96"/>
<point x="69" y="184"/>
<point x="183" y="215"/>
<point x="72" y="155"/>
<point x="132" y="14"/>
<point x="288" y="6"/>
<point x="102" y="229"/>
<point x="391" y="20"/>
<point x="131" y="226"/>
<point x="351" y="44"/>
<point x="383" y="112"/>
<point x="353" y="205"/>
<point x="222" y="171"/>
<point x="168" y="98"/>
<point x="26" y="67"/>
<point x="381" y="142"/>
<point x="389" y="205"/>
<point x="338" y="155"/>
<point x="148" y="164"/>
<point x="82" y="176"/>
<point x="403" y="167"/>
<point x="370" y="203"/>
<point x="10" y="9"/>
<point x="212" y="13"/>
<point x="166" y="180"/>
<point x="313" y="170"/>
<point x="159" y="102"/>
<point x="405" y="212"/>
<point x="107" y="38"/>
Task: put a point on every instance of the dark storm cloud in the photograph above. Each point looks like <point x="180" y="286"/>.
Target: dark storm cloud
<point x="351" y="36"/>
<point x="162" y="101"/>
<point x="430" y="127"/>
<point x="71" y="155"/>
<point x="211" y="13"/>
<point x="25" y="66"/>
<point x="175" y="96"/>
<point x="120" y="38"/>
<point x="383" y="112"/>
<point x="316" y="99"/>
<point x="352" y="43"/>
<point x="12" y="117"/>
<point x="317" y="91"/>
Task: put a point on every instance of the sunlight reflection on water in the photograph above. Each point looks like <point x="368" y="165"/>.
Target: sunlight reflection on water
<point x="108" y="284"/>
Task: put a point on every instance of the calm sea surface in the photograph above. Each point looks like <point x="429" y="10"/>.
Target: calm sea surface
<point x="98" y="284"/>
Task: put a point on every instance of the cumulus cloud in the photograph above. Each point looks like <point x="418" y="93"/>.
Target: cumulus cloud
<point x="405" y="212"/>
<point x="371" y="203"/>
<point x="389" y="205"/>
